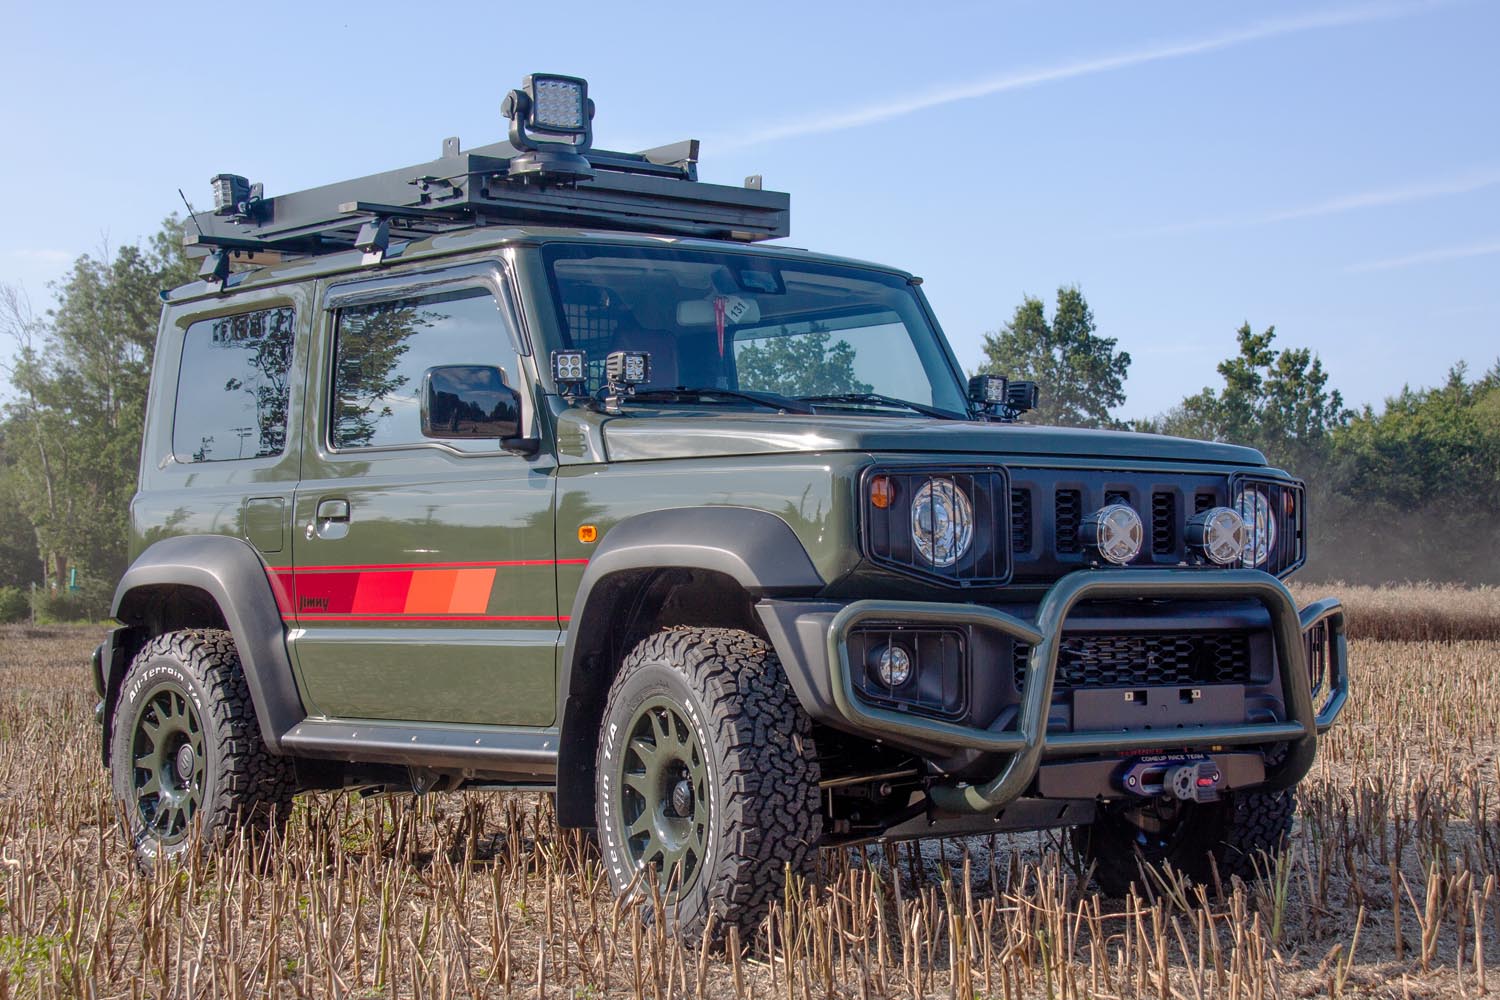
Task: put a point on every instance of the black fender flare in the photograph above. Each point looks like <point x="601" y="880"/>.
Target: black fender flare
<point x="757" y="549"/>
<point x="233" y="574"/>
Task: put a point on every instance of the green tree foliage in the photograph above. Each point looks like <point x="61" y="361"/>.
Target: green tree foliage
<point x="79" y="379"/>
<point x="1275" y="400"/>
<point x="1417" y="486"/>
<point x="1081" y="375"/>
<point x="798" y="365"/>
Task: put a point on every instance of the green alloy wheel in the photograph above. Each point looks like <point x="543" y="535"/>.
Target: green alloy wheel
<point x="707" y="780"/>
<point x="187" y="763"/>
<point x="169" y="763"/>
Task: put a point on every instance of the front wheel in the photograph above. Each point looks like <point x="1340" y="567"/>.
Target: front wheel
<point x="707" y="780"/>
<point x="186" y="759"/>
<point x="1233" y="836"/>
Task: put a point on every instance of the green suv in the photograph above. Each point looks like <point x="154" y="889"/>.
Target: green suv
<point x="528" y="468"/>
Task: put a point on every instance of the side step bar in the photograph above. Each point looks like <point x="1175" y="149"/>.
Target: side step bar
<point x="523" y="756"/>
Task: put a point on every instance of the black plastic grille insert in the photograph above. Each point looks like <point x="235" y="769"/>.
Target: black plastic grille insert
<point x="1145" y="659"/>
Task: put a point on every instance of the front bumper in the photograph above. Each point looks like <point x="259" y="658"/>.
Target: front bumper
<point x="1024" y="737"/>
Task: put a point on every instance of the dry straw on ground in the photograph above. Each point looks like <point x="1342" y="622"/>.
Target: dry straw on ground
<point x="1389" y="890"/>
<point x="1414" y="612"/>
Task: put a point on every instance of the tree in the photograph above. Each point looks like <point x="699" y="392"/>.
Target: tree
<point x="1081" y="375"/>
<point x="798" y="365"/>
<point x="79" y="376"/>
<point x="1277" y="401"/>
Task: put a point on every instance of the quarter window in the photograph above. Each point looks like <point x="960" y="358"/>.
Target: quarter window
<point x="232" y="387"/>
<point x="383" y="349"/>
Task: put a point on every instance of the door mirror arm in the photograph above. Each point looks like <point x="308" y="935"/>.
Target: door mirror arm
<point x="528" y="447"/>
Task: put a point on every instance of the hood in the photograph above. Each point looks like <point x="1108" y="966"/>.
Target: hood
<point x="659" y="434"/>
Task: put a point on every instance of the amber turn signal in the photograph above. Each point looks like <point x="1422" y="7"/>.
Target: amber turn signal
<point x="588" y="534"/>
<point x="882" y="491"/>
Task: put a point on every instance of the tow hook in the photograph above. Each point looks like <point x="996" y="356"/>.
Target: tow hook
<point x="1187" y="779"/>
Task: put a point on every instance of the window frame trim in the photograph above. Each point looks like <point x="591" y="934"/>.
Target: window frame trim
<point x="493" y="276"/>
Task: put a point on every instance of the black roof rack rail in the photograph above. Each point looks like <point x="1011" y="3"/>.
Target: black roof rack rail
<point x="655" y="191"/>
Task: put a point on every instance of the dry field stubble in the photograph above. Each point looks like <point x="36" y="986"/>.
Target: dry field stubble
<point x="1389" y="890"/>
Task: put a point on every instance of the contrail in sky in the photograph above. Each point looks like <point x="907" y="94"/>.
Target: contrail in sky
<point x="1422" y="190"/>
<point x="896" y="107"/>
<point x="1463" y="252"/>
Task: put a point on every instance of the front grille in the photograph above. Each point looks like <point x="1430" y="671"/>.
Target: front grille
<point x="1145" y="659"/>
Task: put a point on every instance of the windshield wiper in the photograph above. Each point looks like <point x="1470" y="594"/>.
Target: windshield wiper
<point x="689" y="393"/>
<point x="878" y="399"/>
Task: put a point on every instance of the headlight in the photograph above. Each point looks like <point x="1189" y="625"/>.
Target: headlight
<point x="1255" y="511"/>
<point x="942" y="522"/>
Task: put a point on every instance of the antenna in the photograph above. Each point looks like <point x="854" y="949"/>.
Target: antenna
<point x="191" y="214"/>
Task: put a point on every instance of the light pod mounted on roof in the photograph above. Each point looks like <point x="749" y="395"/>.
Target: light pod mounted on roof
<point x="551" y="124"/>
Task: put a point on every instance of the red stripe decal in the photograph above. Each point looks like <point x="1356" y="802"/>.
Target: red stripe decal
<point x="442" y="565"/>
<point x="397" y="592"/>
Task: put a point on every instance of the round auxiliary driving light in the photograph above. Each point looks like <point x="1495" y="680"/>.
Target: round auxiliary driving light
<point x="1219" y="533"/>
<point x="1260" y="523"/>
<point x="892" y="666"/>
<point x="1114" y="532"/>
<point x="942" y="522"/>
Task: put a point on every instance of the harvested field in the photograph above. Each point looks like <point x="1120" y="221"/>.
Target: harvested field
<point x="1389" y="890"/>
<point x="1414" y="612"/>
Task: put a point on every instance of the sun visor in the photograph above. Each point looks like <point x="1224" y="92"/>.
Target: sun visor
<point x="737" y="311"/>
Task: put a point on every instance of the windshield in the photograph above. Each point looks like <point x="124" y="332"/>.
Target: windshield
<point x="798" y="329"/>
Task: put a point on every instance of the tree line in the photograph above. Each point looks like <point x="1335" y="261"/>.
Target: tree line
<point x="1407" y="491"/>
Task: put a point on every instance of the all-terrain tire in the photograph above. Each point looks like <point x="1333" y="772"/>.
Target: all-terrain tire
<point x="1235" y="836"/>
<point x="760" y="774"/>
<point x="232" y="781"/>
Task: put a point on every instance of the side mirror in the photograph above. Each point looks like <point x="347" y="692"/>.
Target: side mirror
<point x="473" y="401"/>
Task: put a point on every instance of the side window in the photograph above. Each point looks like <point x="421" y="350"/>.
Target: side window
<point x="232" y="387"/>
<point x="382" y="350"/>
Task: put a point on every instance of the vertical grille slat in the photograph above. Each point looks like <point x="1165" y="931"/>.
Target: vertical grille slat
<point x="1068" y="506"/>
<point x="1020" y="520"/>
<point x="1163" y="523"/>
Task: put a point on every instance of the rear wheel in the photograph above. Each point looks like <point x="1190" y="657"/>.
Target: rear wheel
<point x="707" y="781"/>
<point x="186" y="758"/>
<point x="1234" y="835"/>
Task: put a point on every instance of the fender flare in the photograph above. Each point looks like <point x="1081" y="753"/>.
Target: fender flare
<point x="233" y="574"/>
<point x="757" y="549"/>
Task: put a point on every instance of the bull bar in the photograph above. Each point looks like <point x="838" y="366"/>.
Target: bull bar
<point x="1027" y="741"/>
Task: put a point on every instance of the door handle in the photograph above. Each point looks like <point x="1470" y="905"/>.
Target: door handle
<point x="331" y="522"/>
<point x="333" y="510"/>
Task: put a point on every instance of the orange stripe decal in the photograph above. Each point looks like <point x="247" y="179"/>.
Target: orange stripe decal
<point x="471" y="591"/>
<point x="431" y="591"/>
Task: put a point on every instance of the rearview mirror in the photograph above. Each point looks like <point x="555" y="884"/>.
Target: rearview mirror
<point x="469" y="401"/>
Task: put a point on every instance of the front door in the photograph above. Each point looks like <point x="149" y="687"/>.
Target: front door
<point x="424" y="578"/>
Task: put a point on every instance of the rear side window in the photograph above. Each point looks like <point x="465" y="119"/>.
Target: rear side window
<point x="384" y="348"/>
<point x="233" y="388"/>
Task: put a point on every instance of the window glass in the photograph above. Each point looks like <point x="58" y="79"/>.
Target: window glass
<point x="232" y="388"/>
<point x="384" y="348"/>
<point x="795" y="327"/>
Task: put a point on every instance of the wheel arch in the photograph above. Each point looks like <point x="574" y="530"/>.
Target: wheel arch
<point x="210" y="581"/>
<point x="698" y="566"/>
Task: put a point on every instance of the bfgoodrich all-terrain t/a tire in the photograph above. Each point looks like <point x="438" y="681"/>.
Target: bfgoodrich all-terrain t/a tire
<point x="1235" y="836"/>
<point x="707" y="780"/>
<point x="186" y="758"/>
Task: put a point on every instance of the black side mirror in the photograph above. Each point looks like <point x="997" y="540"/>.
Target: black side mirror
<point x="473" y="401"/>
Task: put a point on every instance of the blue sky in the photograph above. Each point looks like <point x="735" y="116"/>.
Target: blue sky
<point x="1332" y="168"/>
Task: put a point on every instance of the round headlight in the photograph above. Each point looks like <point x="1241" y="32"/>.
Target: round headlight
<point x="1219" y="533"/>
<point x="1115" y="532"/>
<point x="942" y="522"/>
<point x="1260" y="523"/>
<point x="893" y="666"/>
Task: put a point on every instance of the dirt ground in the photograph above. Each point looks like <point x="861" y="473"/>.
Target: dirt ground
<point x="1389" y="888"/>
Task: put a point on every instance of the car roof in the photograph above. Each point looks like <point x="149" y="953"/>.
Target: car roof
<point x="478" y="240"/>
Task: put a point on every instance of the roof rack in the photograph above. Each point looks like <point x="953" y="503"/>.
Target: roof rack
<point x="534" y="179"/>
